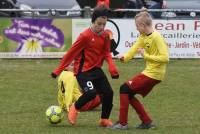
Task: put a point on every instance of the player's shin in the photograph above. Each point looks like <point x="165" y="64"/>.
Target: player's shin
<point x="107" y="104"/>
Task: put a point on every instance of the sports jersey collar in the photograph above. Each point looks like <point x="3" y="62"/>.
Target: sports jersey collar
<point x="151" y="35"/>
<point x="99" y="34"/>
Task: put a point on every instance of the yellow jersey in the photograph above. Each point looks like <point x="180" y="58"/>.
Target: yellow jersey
<point x="156" y="54"/>
<point x="68" y="89"/>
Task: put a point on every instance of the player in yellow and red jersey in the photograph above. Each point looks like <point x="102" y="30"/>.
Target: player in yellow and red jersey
<point x="153" y="48"/>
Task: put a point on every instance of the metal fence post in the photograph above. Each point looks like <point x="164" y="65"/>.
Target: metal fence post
<point x="87" y="12"/>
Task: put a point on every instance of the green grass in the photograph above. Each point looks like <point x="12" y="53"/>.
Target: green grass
<point x="26" y="90"/>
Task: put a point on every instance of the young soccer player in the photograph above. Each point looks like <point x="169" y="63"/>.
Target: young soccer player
<point x="153" y="48"/>
<point x="69" y="92"/>
<point x="89" y="51"/>
<point x="103" y="2"/>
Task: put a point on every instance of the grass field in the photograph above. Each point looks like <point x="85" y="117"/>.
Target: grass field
<point x="26" y="90"/>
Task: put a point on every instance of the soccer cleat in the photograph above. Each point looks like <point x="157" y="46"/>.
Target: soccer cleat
<point x="105" y="123"/>
<point x="120" y="126"/>
<point x="146" y="126"/>
<point x="72" y="115"/>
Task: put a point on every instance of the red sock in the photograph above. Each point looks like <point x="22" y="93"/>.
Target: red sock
<point x="91" y="104"/>
<point x="135" y="103"/>
<point x="124" y="104"/>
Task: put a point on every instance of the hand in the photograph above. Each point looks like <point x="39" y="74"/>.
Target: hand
<point x="113" y="72"/>
<point x="121" y="58"/>
<point x="115" y="76"/>
<point x="53" y="75"/>
<point x="140" y="51"/>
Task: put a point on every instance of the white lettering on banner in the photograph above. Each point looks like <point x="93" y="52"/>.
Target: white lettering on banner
<point x="37" y="28"/>
<point x="37" y="35"/>
<point x="23" y="25"/>
<point x="23" y="32"/>
<point x="52" y="41"/>
<point x="11" y="31"/>
<point x="181" y="35"/>
<point x="49" y="32"/>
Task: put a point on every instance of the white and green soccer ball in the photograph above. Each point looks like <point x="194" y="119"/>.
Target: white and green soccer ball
<point x="54" y="114"/>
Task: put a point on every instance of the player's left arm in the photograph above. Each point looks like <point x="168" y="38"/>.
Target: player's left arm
<point x="163" y="56"/>
<point x="133" y="50"/>
<point x="111" y="66"/>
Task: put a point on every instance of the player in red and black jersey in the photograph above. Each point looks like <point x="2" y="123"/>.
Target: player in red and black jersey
<point x="105" y="2"/>
<point x="89" y="51"/>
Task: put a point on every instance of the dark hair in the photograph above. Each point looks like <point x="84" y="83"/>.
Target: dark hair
<point x="100" y="11"/>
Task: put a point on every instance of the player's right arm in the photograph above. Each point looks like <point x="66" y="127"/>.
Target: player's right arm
<point x="133" y="50"/>
<point x="111" y="66"/>
<point x="73" y="52"/>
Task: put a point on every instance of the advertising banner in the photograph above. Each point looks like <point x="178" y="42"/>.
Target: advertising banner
<point x="34" y="38"/>
<point x="51" y="38"/>
<point x="182" y="36"/>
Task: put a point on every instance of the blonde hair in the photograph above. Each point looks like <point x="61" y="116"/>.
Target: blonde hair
<point x="145" y="17"/>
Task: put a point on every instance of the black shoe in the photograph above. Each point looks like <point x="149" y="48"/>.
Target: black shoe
<point x="146" y="126"/>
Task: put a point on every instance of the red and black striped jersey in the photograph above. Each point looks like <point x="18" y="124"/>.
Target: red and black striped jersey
<point x="88" y="51"/>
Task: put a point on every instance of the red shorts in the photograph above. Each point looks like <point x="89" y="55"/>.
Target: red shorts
<point x="91" y="104"/>
<point x="142" y="84"/>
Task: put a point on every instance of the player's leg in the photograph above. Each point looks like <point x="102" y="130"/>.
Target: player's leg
<point x="88" y="89"/>
<point x="124" y="105"/>
<point x="61" y="89"/>
<point x="141" y="84"/>
<point x="139" y="108"/>
<point x="61" y="99"/>
<point x="89" y="93"/>
<point x="91" y="104"/>
<point x="68" y="88"/>
<point x="104" y="88"/>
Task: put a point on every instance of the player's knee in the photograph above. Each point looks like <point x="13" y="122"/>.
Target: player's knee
<point x="131" y="96"/>
<point x="91" y="94"/>
<point x="107" y="97"/>
<point x="124" y="89"/>
<point x="110" y="92"/>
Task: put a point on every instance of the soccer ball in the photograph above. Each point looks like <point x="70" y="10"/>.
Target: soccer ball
<point x="54" y="114"/>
